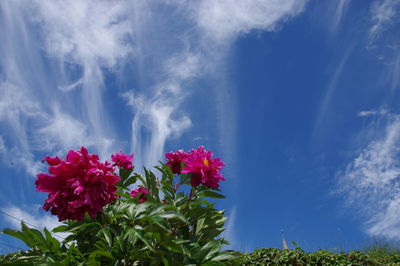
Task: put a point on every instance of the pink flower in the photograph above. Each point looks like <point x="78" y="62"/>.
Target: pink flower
<point x="141" y="192"/>
<point x="76" y="185"/>
<point x="204" y="169"/>
<point x="175" y="159"/>
<point x="122" y="160"/>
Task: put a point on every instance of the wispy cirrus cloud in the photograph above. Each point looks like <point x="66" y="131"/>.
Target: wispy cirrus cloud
<point x="230" y="233"/>
<point x="383" y="12"/>
<point x="61" y="131"/>
<point x="332" y="14"/>
<point x="197" y="48"/>
<point x="226" y="20"/>
<point x="50" y="45"/>
<point x="394" y="74"/>
<point x="2" y="146"/>
<point x="383" y="37"/>
<point x="83" y="41"/>
<point x="332" y="86"/>
<point x="339" y="13"/>
<point x="16" y="107"/>
<point x="61" y="57"/>
<point x="92" y="35"/>
<point x="371" y="181"/>
<point x="373" y="112"/>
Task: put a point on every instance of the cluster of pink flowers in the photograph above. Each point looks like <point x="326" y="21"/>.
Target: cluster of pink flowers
<point x="175" y="159"/>
<point x="76" y="185"/>
<point x="81" y="184"/>
<point x="204" y="169"/>
<point x="141" y="192"/>
<point x="122" y="160"/>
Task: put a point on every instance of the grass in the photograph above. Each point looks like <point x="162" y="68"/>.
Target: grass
<point x="382" y="248"/>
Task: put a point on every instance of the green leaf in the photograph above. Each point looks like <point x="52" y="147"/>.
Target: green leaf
<point x="107" y="235"/>
<point x="144" y="241"/>
<point x="101" y="253"/>
<point x="124" y="174"/>
<point x="142" y="178"/>
<point x="216" y="247"/>
<point x="208" y="250"/>
<point x="225" y="256"/>
<point x="77" y="226"/>
<point x="211" y="194"/>
<point x="61" y="228"/>
<point x="36" y="236"/>
<point x="165" y="261"/>
<point x="16" y="234"/>
<point x="199" y="225"/>
<point x="130" y="236"/>
<point x="173" y="214"/>
<point x="123" y="194"/>
<point x="53" y="243"/>
<point x="158" y="210"/>
<point x="129" y="181"/>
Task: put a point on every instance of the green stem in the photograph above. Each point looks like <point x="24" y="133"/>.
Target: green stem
<point x="191" y="195"/>
<point x="105" y="219"/>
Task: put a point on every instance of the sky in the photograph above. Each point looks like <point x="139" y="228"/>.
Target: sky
<point x="299" y="98"/>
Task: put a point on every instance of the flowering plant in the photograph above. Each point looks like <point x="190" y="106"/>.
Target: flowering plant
<point x="166" y="219"/>
<point x="78" y="184"/>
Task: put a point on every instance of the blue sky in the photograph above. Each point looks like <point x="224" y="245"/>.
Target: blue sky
<point x="299" y="98"/>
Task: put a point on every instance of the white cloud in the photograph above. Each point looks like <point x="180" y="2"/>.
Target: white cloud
<point x="85" y="31"/>
<point x="62" y="131"/>
<point x="339" y="11"/>
<point x="71" y="86"/>
<point x="197" y="47"/>
<point x="382" y="35"/>
<point x="154" y="117"/>
<point x="373" y="112"/>
<point x="331" y="88"/>
<point x="183" y="67"/>
<point x="82" y="42"/>
<point x="15" y="102"/>
<point x="230" y="231"/>
<point x="387" y="222"/>
<point x="371" y="182"/>
<point x="2" y="146"/>
<point x="93" y="35"/>
<point x="383" y="12"/>
<point x="32" y="219"/>
<point x="24" y="160"/>
<point x="15" y="108"/>
<point x="226" y="19"/>
<point x="78" y="40"/>
<point x="394" y="70"/>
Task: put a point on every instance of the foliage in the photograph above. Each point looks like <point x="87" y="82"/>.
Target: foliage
<point x="273" y="256"/>
<point x="176" y="224"/>
<point x="383" y="250"/>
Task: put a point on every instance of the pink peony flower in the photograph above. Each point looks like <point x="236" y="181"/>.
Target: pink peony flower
<point x="204" y="169"/>
<point x="175" y="159"/>
<point x="122" y="160"/>
<point x="76" y="185"/>
<point x="141" y="192"/>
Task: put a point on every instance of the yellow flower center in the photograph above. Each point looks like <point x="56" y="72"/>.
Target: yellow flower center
<point x="206" y="163"/>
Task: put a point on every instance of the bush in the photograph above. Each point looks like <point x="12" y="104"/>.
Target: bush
<point x="297" y="257"/>
<point x="164" y="221"/>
